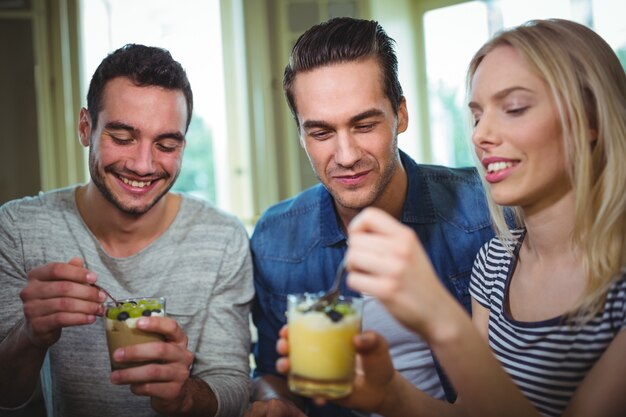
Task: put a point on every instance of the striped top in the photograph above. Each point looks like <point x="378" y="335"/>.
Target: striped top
<point x="547" y="360"/>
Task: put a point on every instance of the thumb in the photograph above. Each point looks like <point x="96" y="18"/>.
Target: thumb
<point x="76" y="261"/>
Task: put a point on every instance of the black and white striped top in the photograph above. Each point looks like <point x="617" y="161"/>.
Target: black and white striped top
<point x="547" y="359"/>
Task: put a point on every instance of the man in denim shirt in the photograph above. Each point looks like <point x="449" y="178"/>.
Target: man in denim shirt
<point x="342" y="87"/>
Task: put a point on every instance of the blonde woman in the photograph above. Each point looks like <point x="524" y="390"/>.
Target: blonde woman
<point x="548" y="336"/>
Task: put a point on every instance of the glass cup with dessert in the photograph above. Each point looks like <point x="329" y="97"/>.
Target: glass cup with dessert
<point x="321" y="351"/>
<point x="121" y="324"/>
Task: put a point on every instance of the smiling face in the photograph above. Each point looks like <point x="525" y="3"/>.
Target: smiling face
<point x="135" y="151"/>
<point x="517" y="134"/>
<point x="349" y="132"/>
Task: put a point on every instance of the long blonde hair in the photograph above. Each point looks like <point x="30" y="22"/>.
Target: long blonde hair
<point x="588" y="85"/>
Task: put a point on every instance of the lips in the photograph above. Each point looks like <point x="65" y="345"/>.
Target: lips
<point x="136" y="184"/>
<point x="498" y="168"/>
<point x="352" y="180"/>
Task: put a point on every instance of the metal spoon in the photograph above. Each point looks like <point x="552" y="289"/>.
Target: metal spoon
<point x="117" y="303"/>
<point x="331" y="295"/>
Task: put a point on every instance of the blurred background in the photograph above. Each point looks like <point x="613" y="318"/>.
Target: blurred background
<point x="243" y="152"/>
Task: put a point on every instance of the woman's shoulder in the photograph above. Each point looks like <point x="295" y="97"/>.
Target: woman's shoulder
<point x="504" y="245"/>
<point x="616" y="294"/>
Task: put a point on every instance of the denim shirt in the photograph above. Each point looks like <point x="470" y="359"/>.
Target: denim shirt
<point x="298" y="243"/>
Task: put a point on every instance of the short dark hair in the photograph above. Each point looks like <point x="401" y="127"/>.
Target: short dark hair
<point x="144" y="66"/>
<point x="344" y="39"/>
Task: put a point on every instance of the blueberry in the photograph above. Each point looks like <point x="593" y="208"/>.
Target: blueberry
<point x="156" y="310"/>
<point x="334" y="315"/>
<point x="123" y="316"/>
<point x="146" y="312"/>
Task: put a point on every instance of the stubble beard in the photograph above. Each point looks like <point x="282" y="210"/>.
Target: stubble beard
<point x="99" y="181"/>
<point x="378" y="189"/>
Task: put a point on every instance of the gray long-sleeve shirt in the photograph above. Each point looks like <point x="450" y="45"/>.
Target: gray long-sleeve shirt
<point x="201" y="264"/>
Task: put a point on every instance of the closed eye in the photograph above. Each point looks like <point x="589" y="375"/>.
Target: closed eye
<point x="119" y="139"/>
<point x="476" y="116"/>
<point x="365" y="127"/>
<point x="320" y="134"/>
<point x="168" y="147"/>
<point x="517" y="110"/>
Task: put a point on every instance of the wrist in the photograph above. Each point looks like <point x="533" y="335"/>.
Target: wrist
<point x="187" y="398"/>
<point x="23" y="340"/>
<point x="448" y="328"/>
<point x="33" y="342"/>
<point x="180" y="406"/>
<point x="393" y="395"/>
<point x="194" y="399"/>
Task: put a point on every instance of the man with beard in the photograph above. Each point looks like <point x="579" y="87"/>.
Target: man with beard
<point x="125" y="232"/>
<point x="342" y="87"/>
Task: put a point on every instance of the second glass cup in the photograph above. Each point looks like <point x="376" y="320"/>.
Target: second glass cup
<point x="321" y="351"/>
<point x="121" y="321"/>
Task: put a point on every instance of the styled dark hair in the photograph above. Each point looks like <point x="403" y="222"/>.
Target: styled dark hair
<point x="145" y="66"/>
<point x="344" y="39"/>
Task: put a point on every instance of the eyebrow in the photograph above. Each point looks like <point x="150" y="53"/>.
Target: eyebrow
<point x="354" y="119"/>
<point x="119" y="126"/>
<point x="366" y="115"/>
<point x="501" y="94"/>
<point x="178" y="136"/>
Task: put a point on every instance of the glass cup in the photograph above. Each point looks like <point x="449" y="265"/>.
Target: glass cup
<point x="321" y="352"/>
<point x="121" y="321"/>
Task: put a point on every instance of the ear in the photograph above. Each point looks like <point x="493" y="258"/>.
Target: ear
<point x="403" y="117"/>
<point x="84" y="127"/>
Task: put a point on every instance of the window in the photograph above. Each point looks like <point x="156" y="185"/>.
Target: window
<point x="448" y="54"/>
<point x="242" y="133"/>
<point x="191" y="31"/>
<point x="446" y="61"/>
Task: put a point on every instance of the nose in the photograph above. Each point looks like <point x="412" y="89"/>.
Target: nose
<point x="348" y="151"/>
<point x="485" y="133"/>
<point x="141" y="161"/>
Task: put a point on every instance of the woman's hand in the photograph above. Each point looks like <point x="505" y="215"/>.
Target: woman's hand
<point x="385" y="259"/>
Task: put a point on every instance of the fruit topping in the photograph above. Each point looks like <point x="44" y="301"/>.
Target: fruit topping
<point x="134" y="309"/>
<point x="335" y="312"/>
<point x="334" y="315"/>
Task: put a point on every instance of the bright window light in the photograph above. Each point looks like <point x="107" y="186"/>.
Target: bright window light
<point x="191" y="31"/>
